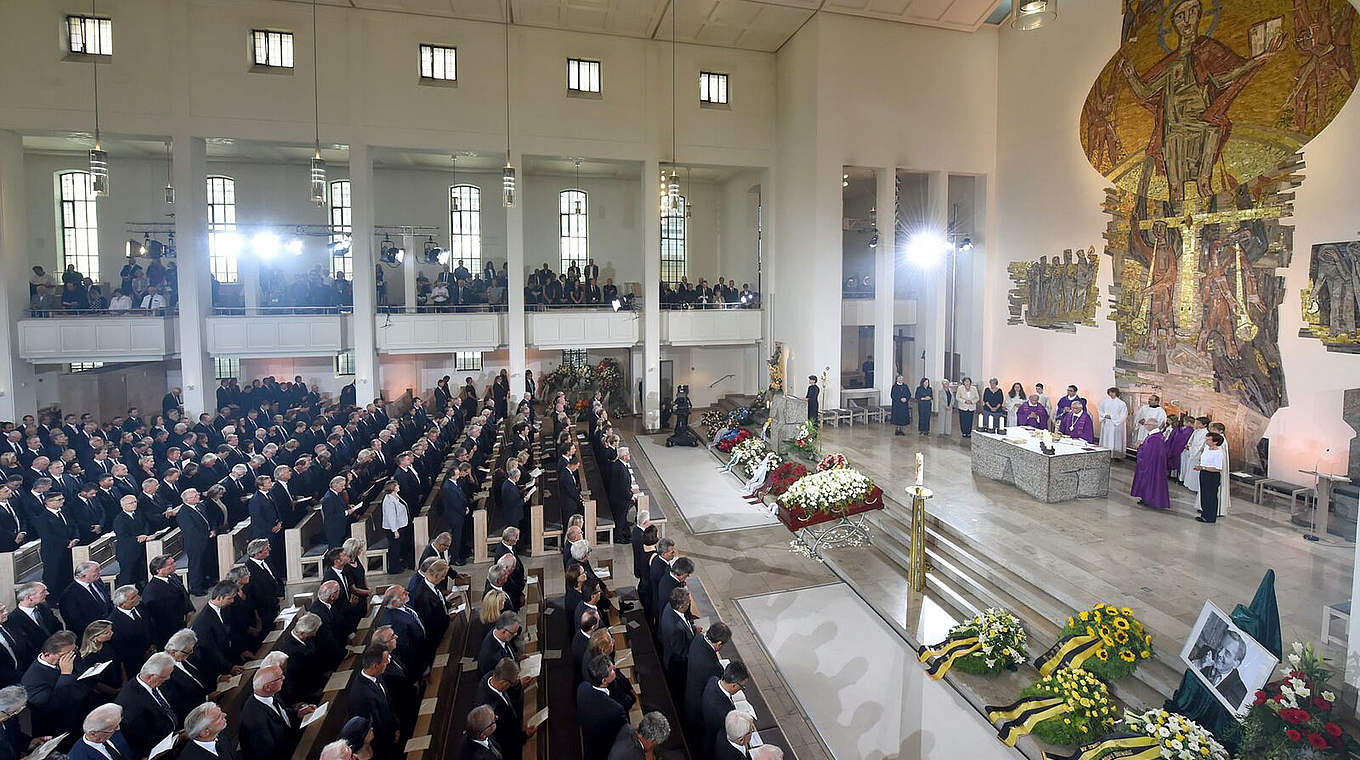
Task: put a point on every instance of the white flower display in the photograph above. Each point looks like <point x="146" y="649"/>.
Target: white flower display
<point x="828" y="490"/>
<point x="1180" y="737"/>
<point x="746" y="454"/>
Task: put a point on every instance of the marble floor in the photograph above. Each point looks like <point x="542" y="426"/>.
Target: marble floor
<point x="709" y="499"/>
<point x="1164" y="563"/>
<point x="859" y="683"/>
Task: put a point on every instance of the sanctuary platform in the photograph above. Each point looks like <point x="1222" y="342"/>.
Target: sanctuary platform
<point x="1072" y="471"/>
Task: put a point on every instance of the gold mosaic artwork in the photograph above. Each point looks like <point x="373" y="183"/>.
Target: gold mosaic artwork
<point x="1056" y="295"/>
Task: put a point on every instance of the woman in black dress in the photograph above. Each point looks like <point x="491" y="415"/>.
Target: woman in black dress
<point x="812" y="393"/>
<point x="925" y="397"/>
<point x="529" y="387"/>
<point x="901" y="404"/>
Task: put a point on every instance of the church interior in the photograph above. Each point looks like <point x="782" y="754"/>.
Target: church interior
<point x="607" y="379"/>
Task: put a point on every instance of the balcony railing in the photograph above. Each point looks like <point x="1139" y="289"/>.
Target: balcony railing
<point x="32" y="313"/>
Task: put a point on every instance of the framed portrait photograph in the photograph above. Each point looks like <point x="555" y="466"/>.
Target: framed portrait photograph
<point x="1229" y="663"/>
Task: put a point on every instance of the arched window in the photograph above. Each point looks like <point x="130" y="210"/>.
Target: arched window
<point x="223" y="244"/>
<point x="573" y="208"/>
<point x="673" y="243"/>
<point x="79" y="221"/>
<point x="465" y="227"/>
<point x="342" y="227"/>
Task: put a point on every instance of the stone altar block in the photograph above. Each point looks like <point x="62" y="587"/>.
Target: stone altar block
<point x="1075" y="471"/>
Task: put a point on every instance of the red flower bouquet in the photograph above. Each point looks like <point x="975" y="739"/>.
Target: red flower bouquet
<point x="732" y="439"/>
<point x="784" y="476"/>
<point x="1293" y="716"/>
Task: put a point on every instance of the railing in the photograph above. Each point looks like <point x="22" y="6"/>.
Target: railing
<point x="719" y="380"/>
<point x="634" y="305"/>
<point x="471" y="308"/>
<point x="719" y="306"/>
<point x="274" y="311"/>
<point x="74" y="313"/>
<point x="857" y="293"/>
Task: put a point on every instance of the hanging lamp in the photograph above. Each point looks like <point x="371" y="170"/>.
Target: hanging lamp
<point x="318" y="185"/>
<point x="670" y="200"/>
<point x="99" y="160"/>
<point x="508" y="173"/>
<point x="169" y="184"/>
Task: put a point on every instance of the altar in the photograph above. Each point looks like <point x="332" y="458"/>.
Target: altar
<point x="1075" y="469"/>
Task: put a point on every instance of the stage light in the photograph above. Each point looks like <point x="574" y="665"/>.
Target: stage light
<point x="622" y="303"/>
<point x="925" y="249"/>
<point x="134" y="248"/>
<point x="294" y="247"/>
<point x="340" y="247"/>
<point x="433" y="254"/>
<point x="389" y="253"/>
<point x="1032" y="14"/>
<point x="227" y="243"/>
<point x="966" y="245"/>
<point x="845" y="180"/>
<point x="873" y="239"/>
<point x="266" y="245"/>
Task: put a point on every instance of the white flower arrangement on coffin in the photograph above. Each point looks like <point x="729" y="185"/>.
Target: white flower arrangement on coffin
<point x="828" y="491"/>
<point x="1180" y="737"/>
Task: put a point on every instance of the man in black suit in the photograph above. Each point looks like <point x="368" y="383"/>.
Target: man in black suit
<point x="31" y="622"/>
<point x="569" y="479"/>
<point x="199" y="534"/>
<point x="53" y="687"/>
<point x="88" y="513"/>
<point x="586" y="625"/>
<point x="413" y="644"/>
<point x="214" y="637"/>
<point x="238" y="493"/>
<point x="206" y="725"/>
<point x="512" y="501"/>
<point x="86" y="600"/>
<point x="331" y="638"/>
<point x="13" y="527"/>
<point x="266" y="522"/>
<point x="188" y="686"/>
<point x="59" y="535"/>
<point x="509" y="544"/>
<point x="265" y="588"/>
<point x="599" y="715"/>
<point x="11" y="669"/>
<point x="702" y="664"/>
<point x="500" y="689"/>
<point x="453" y="500"/>
<point x="619" y="489"/>
<point x="269" y="729"/>
<point x="676" y="633"/>
<point x="165" y="601"/>
<point x="717" y="701"/>
<point x="303" y="673"/>
<point x="641" y="742"/>
<point x="675" y="576"/>
<point x="499" y="643"/>
<point x="348" y="610"/>
<point x="131" y="531"/>
<point x="643" y="537"/>
<point x="440" y="547"/>
<point x="733" y="742"/>
<point x="131" y="641"/>
<point x="409" y="483"/>
<point x="103" y="738"/>
<point x="1219" y="668"/>
<point x="147" y="714"/>
<point x="478" y="741"/>
<point x="336" y="515"/>
<point x="368" y="698"/>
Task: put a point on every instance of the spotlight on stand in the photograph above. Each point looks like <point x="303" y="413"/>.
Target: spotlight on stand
<point x="294" y="246"/>
<point x="966" y="245"/>
<point x="925" y="249"/>
<point x="622" y="303"/>
<point x="134" y="248"/>
<point x="433" y="254"/>
<point x="389" y="253"/>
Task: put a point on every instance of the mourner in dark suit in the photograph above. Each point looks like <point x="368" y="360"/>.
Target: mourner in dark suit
<point x="499" y="643"/>
<point x="58" y="534"/>
<point x="599" y="715"/>
<point x="702" y="664"/>
<point x="32" y="621"/>
<point x="717" y="701"/>
<point x="131" y="631"/>
<point x="131" y="531"/>
<point x="336" y="513"/>
<point x="52" y="685"/>
<point x="85" y="600"/>
<point x="165" y="601"/>
<point x="639" y="743"/>
<point x="478" y="741"/>
<point x="214" y="637"/>
<point x="269" y="729"/>
<point x="500" y="689"/>
<point x="206" y="725"/>
<point x="368" y="697"/>
<point x="147" y="714"/>
<point x="102" y="739"/>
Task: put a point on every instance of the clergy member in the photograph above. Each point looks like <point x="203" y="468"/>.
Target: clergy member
<point x="1113" y="414"/>
<point x="1032" y="413"/>
<point x="1076" y="423"/>
<point x="925" y="400"/>
<point x="901" y="404"/>
<point x="1067" y="400"/>
<point x="1177" y="441"/>
<point x="1190" y="457"/>
<point x="1152" y="412"/>
<point x="1149" y="477"/>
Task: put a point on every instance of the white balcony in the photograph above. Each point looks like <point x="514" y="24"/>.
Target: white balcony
<point x="711" y="327"/>
<point x="440" y="333"/>
<point x="860" y="311"/>
<point x="103" y="337"/>
<point x="577" y="328"/>
<point x="265" y="335"/>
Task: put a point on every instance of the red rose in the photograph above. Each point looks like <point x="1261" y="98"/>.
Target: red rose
<point x="1317" y="741"/>
<point x="1332" y="729"/>
<point x="1260" y="697"/>
<point x="1292" y="734"/>
<point x="1291" y="715"/>
<point x="1322" y="704"/>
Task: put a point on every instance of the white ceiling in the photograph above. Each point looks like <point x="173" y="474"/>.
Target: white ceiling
<point x="763" y="25"/>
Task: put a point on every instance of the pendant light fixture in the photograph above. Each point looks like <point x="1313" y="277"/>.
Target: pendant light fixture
<point x="1032" y="14"/>
<point x="169" y="184"/>
<point x="671" y="185"/>
<point x="576" y="208"/>
<point x="508" y="173"/>
<point x="99" y="160"/>
<point x="454" y="205"/>
<point x="318" y="164"/>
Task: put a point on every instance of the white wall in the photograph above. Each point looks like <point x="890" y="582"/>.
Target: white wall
<point x="1049" y="198"/>
<point x="700" y="367"/>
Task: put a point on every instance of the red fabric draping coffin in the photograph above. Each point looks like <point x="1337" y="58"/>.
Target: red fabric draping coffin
<point x="797" y="518"/>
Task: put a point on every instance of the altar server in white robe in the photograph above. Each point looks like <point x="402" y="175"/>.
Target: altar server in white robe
<point x="1225" y="482"/>
<point x="1152" y="411"/>
<point x="1114" y="414"/>
<point x="1190" y="457"/>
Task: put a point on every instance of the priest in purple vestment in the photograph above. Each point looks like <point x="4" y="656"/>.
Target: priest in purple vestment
<point x="1068" y="400"/>
<point x="1032" y="413"/>
<point x="1176" y="442"/>
<point x="1076" y="423"/>
<point x="1149" y="476"/>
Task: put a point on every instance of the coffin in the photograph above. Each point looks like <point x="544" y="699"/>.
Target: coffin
<point x="795" y="518"/>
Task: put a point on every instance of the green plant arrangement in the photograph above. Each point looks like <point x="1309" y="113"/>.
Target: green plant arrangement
<point x="1089" y="711"/>
<point x="1106" y="640"/>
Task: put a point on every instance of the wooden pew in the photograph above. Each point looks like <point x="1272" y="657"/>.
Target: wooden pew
<point x="230" y="546"/>
<point x="171" y="543"/>
<point x="304" y="545"/>
<point x="17" y="567"/>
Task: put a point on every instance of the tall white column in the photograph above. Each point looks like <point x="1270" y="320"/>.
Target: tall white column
<point x="932" y="318"/>
<point x="18" y="384"/>
<point x="885" y="269"/>
<point x="514" y="275"/>
<point x="195" y="294"/>
<point x="248" y="269"/>
<point x="651" y="294"/>
<point x="408" y="270"/>
<point x="366" y="378"/>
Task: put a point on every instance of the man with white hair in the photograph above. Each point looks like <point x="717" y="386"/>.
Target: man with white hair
<point x="238" y="491"/>
<point x="496" y="577"/>
<point x="303" y="672"/>
<point x="734" y="743"/>
<point x="337" y="750"/>
<point x="619" y="490"/>
<point x="412" y="639"/>
<point x="268" y="729"/>
<point x="102" y="738"/>
<point x="767" y="752"/>
<point x="204" y="727"/>
<point x="198" y="532"/>
<point x="146" y="712"/>
<point x="513" y="511"/>
<point x="131" y="631"/>
<point x="510" y="545"/>
<point x="187" y="686"/>
<point x="581" y="551"/>
<point x="641" y="742"/>
<point x="85" y="600"/>
<point x="330" y="640"/>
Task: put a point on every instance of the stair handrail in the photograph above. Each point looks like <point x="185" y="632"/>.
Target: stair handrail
<point x="724" y="377"/>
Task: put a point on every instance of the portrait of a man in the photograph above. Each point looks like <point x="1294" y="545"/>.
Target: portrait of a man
<point x="1227" y="661"/>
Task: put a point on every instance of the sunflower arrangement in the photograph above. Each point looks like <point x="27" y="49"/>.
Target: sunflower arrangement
<point x="1180" y="737"/>
<point x="1090" y="713"/>
<point x="1002" y="638"/>
<point x="1123" y="641"/>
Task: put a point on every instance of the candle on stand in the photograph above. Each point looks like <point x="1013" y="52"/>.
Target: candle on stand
<point x="920" y="469"/>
